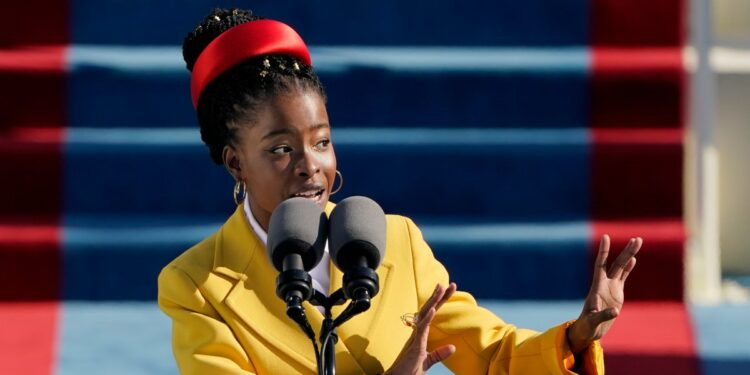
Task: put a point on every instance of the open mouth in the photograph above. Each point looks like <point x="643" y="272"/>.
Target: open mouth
<point x="314" y="194"/>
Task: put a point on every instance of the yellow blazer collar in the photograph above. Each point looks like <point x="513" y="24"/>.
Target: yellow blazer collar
<point x="237" y="244"/>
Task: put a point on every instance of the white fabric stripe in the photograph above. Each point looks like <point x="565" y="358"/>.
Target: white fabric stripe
<point x="344" y="136"/>
<point x="168" y="59"/>
<point x="146" y="234"/>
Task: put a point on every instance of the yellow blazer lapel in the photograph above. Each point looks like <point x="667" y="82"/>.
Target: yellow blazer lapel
<point x="359" y="336"/>
<point x="356" y="335"/>
<point x="242" y="256"/>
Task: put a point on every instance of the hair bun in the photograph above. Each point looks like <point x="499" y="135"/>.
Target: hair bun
<point x="215" y="23"/>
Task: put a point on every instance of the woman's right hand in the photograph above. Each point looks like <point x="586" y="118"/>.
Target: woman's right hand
<point x="414" y="358"/>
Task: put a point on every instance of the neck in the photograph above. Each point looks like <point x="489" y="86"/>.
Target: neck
<point x="260" y="216"/>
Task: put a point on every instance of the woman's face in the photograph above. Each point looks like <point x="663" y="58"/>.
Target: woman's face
<point x="284" y="152"/>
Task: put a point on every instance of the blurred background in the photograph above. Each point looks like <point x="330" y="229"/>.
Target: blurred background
<point x="515" y="133"/>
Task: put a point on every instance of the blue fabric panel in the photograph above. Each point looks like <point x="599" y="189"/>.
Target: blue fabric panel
<point x="114" y="338"/>
<point x="515" y="261"/>
<point x="371" y="97"/>
<point x="115" y="86"/>
<point x="513" y="179"/>
<point x="392" y="22"/>
<point x="97" y="248"/>
<point x="722" y="337"/>
<point x="504" y="88"/>
<point x="536" y="315"/>
<point x="142" y="179"/>
<point x="508" y="261"/>
<point x="508" y="183"/>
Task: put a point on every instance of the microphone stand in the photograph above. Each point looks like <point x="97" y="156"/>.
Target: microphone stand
<point x="328" y="336"/>
<point x="327" y="356"/>
<point x="294" y="285"/>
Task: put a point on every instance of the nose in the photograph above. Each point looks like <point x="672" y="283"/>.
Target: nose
<point x="307" y="165"/>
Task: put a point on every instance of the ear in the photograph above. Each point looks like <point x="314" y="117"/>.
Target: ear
<point x="231" y="159"/>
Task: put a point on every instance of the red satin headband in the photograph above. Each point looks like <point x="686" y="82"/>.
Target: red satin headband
<point x="240" y="43"/>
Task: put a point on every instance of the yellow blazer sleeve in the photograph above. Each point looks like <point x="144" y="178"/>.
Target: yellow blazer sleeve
<point x="202" y="343"/>
<point x="485" y="344"/>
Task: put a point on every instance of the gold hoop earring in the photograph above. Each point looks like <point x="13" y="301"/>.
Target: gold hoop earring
<point x="239" y="187"/>
<point x="341" y="184"/>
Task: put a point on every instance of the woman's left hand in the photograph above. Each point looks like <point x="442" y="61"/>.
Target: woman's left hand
<point x="606" y="297"/>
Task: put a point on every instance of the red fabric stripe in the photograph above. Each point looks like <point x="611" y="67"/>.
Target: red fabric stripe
<point x="28" y="342"/>
<point x="638" y="22"/>
<point x="651" y="339"/>
<point x="646" y="61"/>
<point x="34" y="22"/>
<point x="641" y="87"/>
<point x="659" y="273"/>
<point x="666" y="137"/>
<point x="32" y="130"/>
<point x="35" y="170"/>
<point x="33" y="36"/>
<point x="33" y="79"/>
<point x="40" y="59"/>
<point x="31" y="134"/>
<point x="40" y="234"/>
<point x="636" y="174"/>
<point x="30" y="264"/>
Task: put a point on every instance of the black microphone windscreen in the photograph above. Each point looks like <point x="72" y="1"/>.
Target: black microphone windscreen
<point x="297" y="226"/>
<point x="357" y="230"/>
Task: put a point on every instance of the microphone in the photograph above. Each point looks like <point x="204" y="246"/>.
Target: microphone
<point x="357" y="245"/>
<point x="296" y="242"/>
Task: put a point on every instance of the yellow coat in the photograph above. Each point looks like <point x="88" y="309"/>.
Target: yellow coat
<point x="227" y="318"/>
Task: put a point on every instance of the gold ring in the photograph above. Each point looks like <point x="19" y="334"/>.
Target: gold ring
<point x="410" y="319"/>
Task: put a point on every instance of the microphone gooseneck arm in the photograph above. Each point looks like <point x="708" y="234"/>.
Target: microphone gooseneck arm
<point x="328" y="336"/>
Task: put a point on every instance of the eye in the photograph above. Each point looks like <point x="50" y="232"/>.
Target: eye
<point x="281" y="150"/>
<point x="322" y="144"/>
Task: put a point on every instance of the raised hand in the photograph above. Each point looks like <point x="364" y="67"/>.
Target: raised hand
<point x="606" y="297"/>
<point x="414" y="357"/>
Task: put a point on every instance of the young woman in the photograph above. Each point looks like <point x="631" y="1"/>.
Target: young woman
<point x="262" y="115"/>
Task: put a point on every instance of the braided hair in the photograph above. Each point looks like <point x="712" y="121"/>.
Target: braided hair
<point x="233" y="97"/>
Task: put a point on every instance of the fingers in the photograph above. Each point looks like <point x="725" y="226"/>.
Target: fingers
<point x="623" y="260"/>
<point x="437" y="293"/>
<point x="628" y="268"/>
<point x="423" y="330"/>
<point x="429" y="310"/>
<point x="423" y="323"/>
<point x="418" y="340"/>
<point x="447" y="295"/>
<point x="600" y="266"/>
<point x="605" y="315"/>
<point x="414" y="355"/>
<point x="438" y="355"/>
<point x="439" y="296"/>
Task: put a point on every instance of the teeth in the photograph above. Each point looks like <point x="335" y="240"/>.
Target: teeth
<point x="310" y="194"/>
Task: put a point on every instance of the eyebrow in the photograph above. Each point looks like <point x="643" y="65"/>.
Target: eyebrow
<point x="276" y="132"/>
